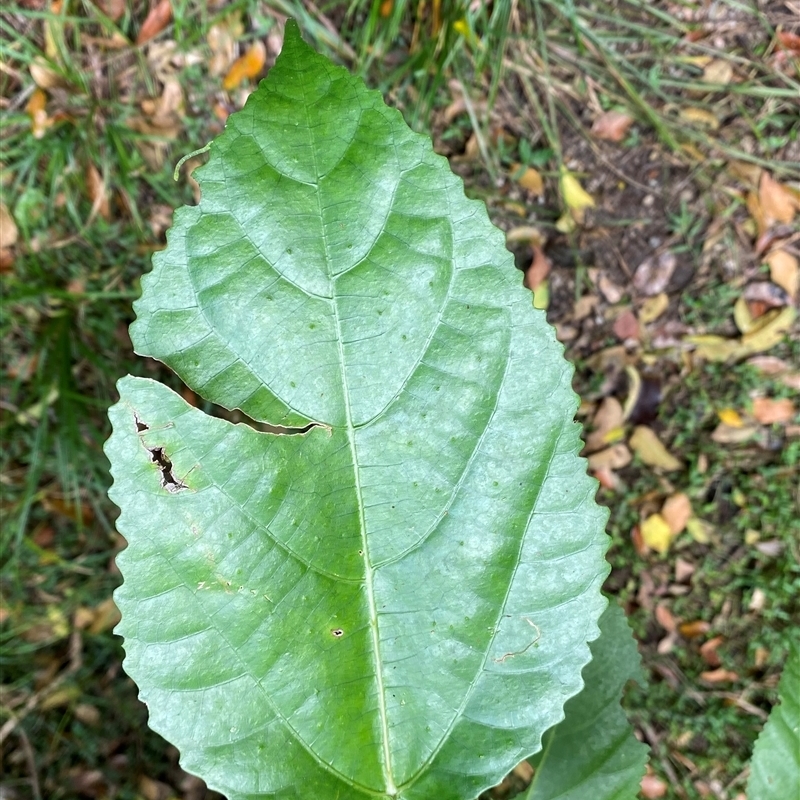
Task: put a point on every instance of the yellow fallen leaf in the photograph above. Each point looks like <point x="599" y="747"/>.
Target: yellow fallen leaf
<point x="730" y="417"/>
<point x="247" y="66"/>
<point x="566" y="223"/>
<point x="656" y="533"/>
<point x="541" y="296"/>
<point x="575" y="197"/>
<point x="528" y="178"/>
<point x="699" y="117"/>
<point x="653" y="308"/>
<point x="776" y="324"/>
<point x="713" y="348"/>
<point x="742" y="316"/>
<point x="650" y="450"/>
<point x="699" y="530"/>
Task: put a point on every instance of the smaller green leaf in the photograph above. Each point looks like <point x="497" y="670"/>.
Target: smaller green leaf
<point x="775" y="768"/>
<point x="593" y="752"/>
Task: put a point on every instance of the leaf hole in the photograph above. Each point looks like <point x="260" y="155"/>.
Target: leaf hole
<point x="168" y="480"/>
<point x="337" y="632"/>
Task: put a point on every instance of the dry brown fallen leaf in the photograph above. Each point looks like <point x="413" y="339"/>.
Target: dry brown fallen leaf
<point x="222" y="37"/>
<point x="113" y="9"/>
<point x="651" y="451"/>
<point x="708" y="651"/>
<point x="694" y="629"/>
<point x="719" y="676"/>
<point x="728" y="434"/>
<point x="676" y="511"/>
<point x="610" y="290"/>
<point x="784" y="270"/>
<point x="777" y="202"/>
<point x="247" y="66"/>
<point x="8" y="227"/>
<point x="718" y="71"/>
<point x="653" y="787"/>
<point x="612" y="125"/>
<point x="769" y="411"/>
<point x="614" y="457"/>
<point x="626" y="326"/>
<point x="157" y="19"/>
<point x="98" y="194"/>
<point x="538" y="271"/>
<point x="607" y="420"/>
<point x="665" y="618"/>
<point x="652" y="276"/>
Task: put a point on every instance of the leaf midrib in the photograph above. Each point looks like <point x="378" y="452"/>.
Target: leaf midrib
<point x="391" y="787"/>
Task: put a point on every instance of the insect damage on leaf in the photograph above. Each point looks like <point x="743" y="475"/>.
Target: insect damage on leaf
<point x="168" y="480"/>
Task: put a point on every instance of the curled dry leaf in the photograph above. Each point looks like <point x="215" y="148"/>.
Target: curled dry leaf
<point x="769" y="411"/>
<point x="708" y="651"/>
<point x="96" y="188"/>
<point x="651" y="451"/>
<point x="222" y="37"/>
<point x="694" y="629"/>
<point x="615" y="457"/>
<point x="784" y="271"/>
<point x="656" y="533"/>
<point x="612" y="125"/>
<point x="770" y="331"/>
<point x="770" y="294"/>
<point x="665" y="618"/>
<point x="719" y="676"/>
<point x="247" y="66"/>
<point x="742" y="315"/>
<point x="677" y="511"/>
<point x="526" y="233"/>
<point x="155" y="22"/>
<point x="699" y="117"/>
<point x="653" y="275"/>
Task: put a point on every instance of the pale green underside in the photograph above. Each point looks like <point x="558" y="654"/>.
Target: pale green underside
<point x="349" y="613"/>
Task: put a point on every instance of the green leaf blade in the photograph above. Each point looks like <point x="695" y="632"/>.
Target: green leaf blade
<point x="593" y="752"/>
<point x="775" y="766"/>
<point x="363" y="608"/>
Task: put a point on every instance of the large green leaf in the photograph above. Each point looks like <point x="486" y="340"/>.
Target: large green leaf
<point x="593" y="752"/>
<point x="775" y="767"/>
<point x="395" y="602"/>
